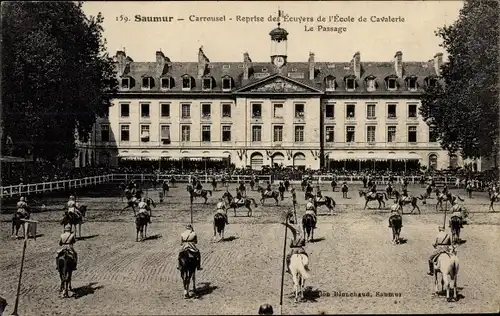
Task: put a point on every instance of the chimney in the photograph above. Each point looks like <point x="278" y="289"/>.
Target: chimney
<point x="120" y="58"/>
<point x="438" y="62"/>
<point x="202" y="63"/>
<point x="398" y="64"/>
<point x="311" y="66"/>
<point x="356" y="61"/>
<point x="160" y="58"/>
<point x="247" y="65"/>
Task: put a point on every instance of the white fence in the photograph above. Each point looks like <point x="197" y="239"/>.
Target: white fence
<point x="64" y="185"/>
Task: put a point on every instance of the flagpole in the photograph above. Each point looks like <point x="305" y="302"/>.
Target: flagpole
<point x="191" y="211"/>
<point x="14" y="313"/>
<point x="283" y="267"/>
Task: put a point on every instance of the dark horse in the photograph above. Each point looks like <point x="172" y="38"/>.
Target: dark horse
<point x="214" y="184"/>
<point x="73" y="219"/>
<point x="141" y="225"/>
<point x="324" y="201"/>
<point x="455" y="224"/>
<point x="193" y="194"/>
<point x="282" y="190"/>
<point x="263" y="195"/>
<point x="66" y="265"/>
<point x="232" y="204"/>
<point x="17" y="222"/>
<point x="188" y="263"/>
<point x="396" y="222"/>
<point x="404" y="200"/>
<point x="219" y="225"/>
<point x="389" y="190"/>
<point x="308" y="224"/>
<point x="378" y="197"/>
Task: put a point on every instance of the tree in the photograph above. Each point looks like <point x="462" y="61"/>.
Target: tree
<point x="56" y="77"/>
<point x="464" y="111"/>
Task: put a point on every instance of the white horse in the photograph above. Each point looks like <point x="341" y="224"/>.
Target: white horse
<point x="298" y="268"/>
<point x="447" y="264"/>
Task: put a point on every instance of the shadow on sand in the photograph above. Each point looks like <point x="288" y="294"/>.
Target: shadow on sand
<point x="86" y="237"/>
<point x="230" y="238"/>
<point x="310" y="295"/>
<point x="203" y="289"/>
<point x="315" y="240"/>
<point x="153" y="237"/>
<point x="86" y="290"/>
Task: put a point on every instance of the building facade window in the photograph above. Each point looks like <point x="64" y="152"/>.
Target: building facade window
<point x="412" y="110"/>
<point x="105" y="133"/>
<point x="125" y="110"/>
<point x="330" y="110"/>
<point x="256" y="110"/>
<point x="125" y="132"/>
<point x="391" y="134"/>
<point x="185" y="133"/>
<point x="205" y="133"/>
<point x="412" y="84"/>
<point x="147" y="83"/>
<point x="433" y="135"/>
<point x="299" y="134"/>
<point x="453" y="161"/>
<point x="391" y="111"/>
<point x="370" y="111"/>
<point x="278" y="133"/>
<point x="433" y="162"/>
<point x="350" y="134"/>
<point x="256" y="133"/>
<point x="350" y="84"/>
<point x="330" y="83"/>
<point x="144" y="110"/>
<point x="330" y="134"/>
<point x="412" y="134"/>
<point x="370" y="85"/>
<point x="392" y="84"/>
<point x="165" y="134"/>
<point x="226" y="84"/>
<point x="145" y="133"/>
<point x="278" y="110"/>
<point x="185" y="111"/>
<point x="299" y="110"/>
<point x="226" y="110"/>
<point x="206" y="110"/>
<point x="167" y="83"/>
<point x="370" y="134"/>
<point x="350" y="111"/>
<point x="226" y="133"/>
<point x="186" y="83"/>
<point x="207" y="83"/>
<point x="165" y="110"/>
<point x="125" y="83"/>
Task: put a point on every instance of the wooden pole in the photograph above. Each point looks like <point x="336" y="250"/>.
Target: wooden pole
<point x="191" y="212"/>
<point x="21" y="270"/>
<point x="283" y="267"/>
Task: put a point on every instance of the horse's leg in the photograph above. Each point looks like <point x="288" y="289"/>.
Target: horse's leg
<point x="436" y="282"/>
<point x="366" y="203"/>
<point x="194" y="281"/>
<point x="455" y="285"/>
<point x="80" y="230"/>
<point x="215" y="234"/>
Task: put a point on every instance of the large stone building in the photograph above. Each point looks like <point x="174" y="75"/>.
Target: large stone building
<point x="310" y="114"/>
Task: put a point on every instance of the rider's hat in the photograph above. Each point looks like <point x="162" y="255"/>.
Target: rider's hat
<point x="311" y="200"/>
<point x="67" y="228"/>
<point x="265" y="309"/>
<point x="72" y="197"/>
<point x="189" y="226"/>
<point x="22" y="199"/>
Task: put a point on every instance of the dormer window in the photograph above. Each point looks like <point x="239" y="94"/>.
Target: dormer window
<point x="147" y="83"/>
<point x="207" y="83"/>
<point x="412" y="83"/>
<point x="125" y="83"/>
<point x="167" y="83"/>
<point x="350" y="84"/>
<point x="392" y="83"/>
<point x="371" y="84"/>
<point x="330" y="83"/>
<point x="187" y="82"/>
<point x="227" y="83"/>
<point x="432" y="82"/>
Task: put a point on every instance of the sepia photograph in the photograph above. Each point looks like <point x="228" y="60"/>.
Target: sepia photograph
<point x="250" y="157"/>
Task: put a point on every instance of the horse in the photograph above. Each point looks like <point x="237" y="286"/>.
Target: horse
<point x="389" y="190"/>
<point x="73" y="219"/>
<point x="243" y="189"/>
<point x="378" y="197"/>
<point x="17" y="222"/>
<point x="282" y="190"/>
<point x="165" y="188"/>
<point x="287" y="184"/>
<point x="188" y="263"/>
<point x="308" y="224"/>
<point x="219" y="225"/>
<point x="396" y="222"/>
<point x="424" y="197"/>
<point x="141" y="225"/>
<point x="252" y="184"/>
<point x="299" y="271"/>
<point x="234" y="205"/>
<point x="303" y="184"/>
<point x="194" y="194"/>
<point x="309" y="191"/>
<point x="214" y="184"/>
<point x="446" y="198"/>
<point x="66" y="265"/>
<point x="404" y="200"/>
<point x="455" y="224"/>
<point x="447" y="264"/>
<point x="325" y="201"/>
<point x="273" y="194"/>
<point x="493" y="198"/>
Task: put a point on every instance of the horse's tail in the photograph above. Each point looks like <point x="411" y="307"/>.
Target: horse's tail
<point x="458" y="197"/>
<point x="303" y="271"/>
<point x="254" y="202"/>
<point x="385" y="196"/>
<point x="209" y="192"/>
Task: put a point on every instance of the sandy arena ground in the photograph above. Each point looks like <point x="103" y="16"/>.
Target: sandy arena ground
<point x="353" y="253"/>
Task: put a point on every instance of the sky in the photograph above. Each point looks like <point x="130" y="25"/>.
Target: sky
<point x="228" y="40"/>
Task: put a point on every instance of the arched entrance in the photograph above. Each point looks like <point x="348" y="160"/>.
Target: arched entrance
<point x="299" y="160"/>
<point x="433" y="162"/>
<point x="278" y="160"/>
<point x="256" y="161"/>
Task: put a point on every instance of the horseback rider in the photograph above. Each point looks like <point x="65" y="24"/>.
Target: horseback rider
<point x="239" y="197"/>
<point x="373" y="190"/>
<point x="22" y="207"/>
<point x="144" y="208"/>
<point x="221" y="209"/>
<point x="73" y="206"/>
<point x="67" y="241"/>
<point x="441" y="244"/>
<point x="310" y="209"/>
<point x="456" y="212"/>
<point x="445" y="190"/>
<point x="389" y="187"/>
<point x="405" y="192"/>
<point x="297" y="244"/>
<point x="268" y="188"/>
<point x="199" y="187"/>
<point x="189" y="241"/>
<point x="319" y="195"/>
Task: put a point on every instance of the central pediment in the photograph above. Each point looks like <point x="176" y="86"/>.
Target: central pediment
<point x="278" y="84"/>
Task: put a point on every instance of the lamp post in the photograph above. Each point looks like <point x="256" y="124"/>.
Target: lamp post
<point x="26" y="230"/>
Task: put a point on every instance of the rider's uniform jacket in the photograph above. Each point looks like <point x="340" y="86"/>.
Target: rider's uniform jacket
<point x="456" y="213"/>
<point x="67" y="240"/>
<point x="221" y="206"/>
<point x="310" y="208"/>
<point x="143" y="207"/>
<point x="394" y="208"/>
<point x="72" y="206"/>
<point x="189" y="240"/>
<point x="23" y="205"/>
<point x="442" y="239"/>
